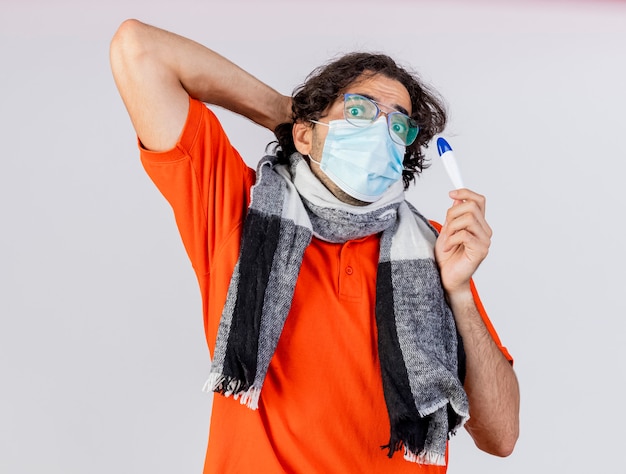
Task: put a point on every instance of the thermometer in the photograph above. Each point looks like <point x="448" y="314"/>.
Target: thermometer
<point x="449" y="162"/>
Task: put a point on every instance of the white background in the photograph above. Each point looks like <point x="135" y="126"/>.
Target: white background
<point x="102" y="352"/>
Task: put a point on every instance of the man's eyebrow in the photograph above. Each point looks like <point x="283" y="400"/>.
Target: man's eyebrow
<point x="399" y="108"/>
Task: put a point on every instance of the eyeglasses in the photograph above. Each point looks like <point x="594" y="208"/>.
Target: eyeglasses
<point x="361" y="111"/>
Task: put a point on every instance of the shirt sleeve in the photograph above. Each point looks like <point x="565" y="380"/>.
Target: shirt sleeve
<point x="205" y="181"/>
<point x="483" y="312"/>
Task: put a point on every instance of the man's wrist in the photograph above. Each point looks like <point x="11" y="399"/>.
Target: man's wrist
<point x="283" y="113"/>
<point x="463" y="305"/>
<point x="459" y="296"/>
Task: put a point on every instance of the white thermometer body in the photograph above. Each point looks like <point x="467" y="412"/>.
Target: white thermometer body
<point x="449" y="162"/>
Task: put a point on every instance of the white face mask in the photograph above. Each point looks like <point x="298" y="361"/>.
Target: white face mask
<point x="362" y="162"/>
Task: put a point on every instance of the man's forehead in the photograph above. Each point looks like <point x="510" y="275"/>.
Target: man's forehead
<point x="382" y="89"/>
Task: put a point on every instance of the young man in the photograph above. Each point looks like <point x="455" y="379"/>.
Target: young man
<point x="332" y="309"/>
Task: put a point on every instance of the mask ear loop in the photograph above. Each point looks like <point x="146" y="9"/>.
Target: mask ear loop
<point x="310" y="158"/>
<point x="319" y="123"/>
<point x="318" y="163"/>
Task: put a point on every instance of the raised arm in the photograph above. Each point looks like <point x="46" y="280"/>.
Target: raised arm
<point x="490" y="382"/>
<point x="156" y="71"/>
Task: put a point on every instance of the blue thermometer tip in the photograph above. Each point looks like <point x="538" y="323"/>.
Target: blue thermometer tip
<point x="443" y="146"/>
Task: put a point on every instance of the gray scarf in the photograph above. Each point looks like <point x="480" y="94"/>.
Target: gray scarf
<point x="421" y="354"/>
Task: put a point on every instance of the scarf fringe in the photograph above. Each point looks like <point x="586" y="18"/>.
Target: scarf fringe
<point x="425" y="457"/>
<point x="228" y="386"/>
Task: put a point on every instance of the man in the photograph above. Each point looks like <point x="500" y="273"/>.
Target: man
<point x="331" y="308"/>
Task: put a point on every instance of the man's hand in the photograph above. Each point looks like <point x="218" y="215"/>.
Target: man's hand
<point x="464" y="240"/>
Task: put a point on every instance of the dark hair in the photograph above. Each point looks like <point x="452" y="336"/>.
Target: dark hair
<point x="328" y="82"/>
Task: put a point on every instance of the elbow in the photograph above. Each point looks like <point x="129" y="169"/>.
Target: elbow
<point x="495" y="439"/>
<point x="505" y="449"/>
<point x="123" y="36"/>
<point x="501" y="446"/>
<point x="126" y="45"/>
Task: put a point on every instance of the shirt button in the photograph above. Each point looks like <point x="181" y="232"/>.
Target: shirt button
<point x="349" y="270"/>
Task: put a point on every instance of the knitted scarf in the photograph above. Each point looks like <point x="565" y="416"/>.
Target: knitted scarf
<point x="421" y="354"/>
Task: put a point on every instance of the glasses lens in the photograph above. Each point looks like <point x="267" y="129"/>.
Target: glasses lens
<point x="358" y="110"/>
<point x="402" y="128"/>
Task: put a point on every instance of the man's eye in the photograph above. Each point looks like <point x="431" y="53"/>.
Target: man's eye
<point x="356" y="112"/>
<point x="399" y="128"/>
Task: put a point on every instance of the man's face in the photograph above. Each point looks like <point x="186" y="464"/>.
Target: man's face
<point x="381" y="89"/>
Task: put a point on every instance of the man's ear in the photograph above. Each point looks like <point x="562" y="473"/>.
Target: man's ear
<point x="302" y="137"/>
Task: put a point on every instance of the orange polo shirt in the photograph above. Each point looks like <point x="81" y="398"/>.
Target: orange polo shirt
<point x="322" y="408"/>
